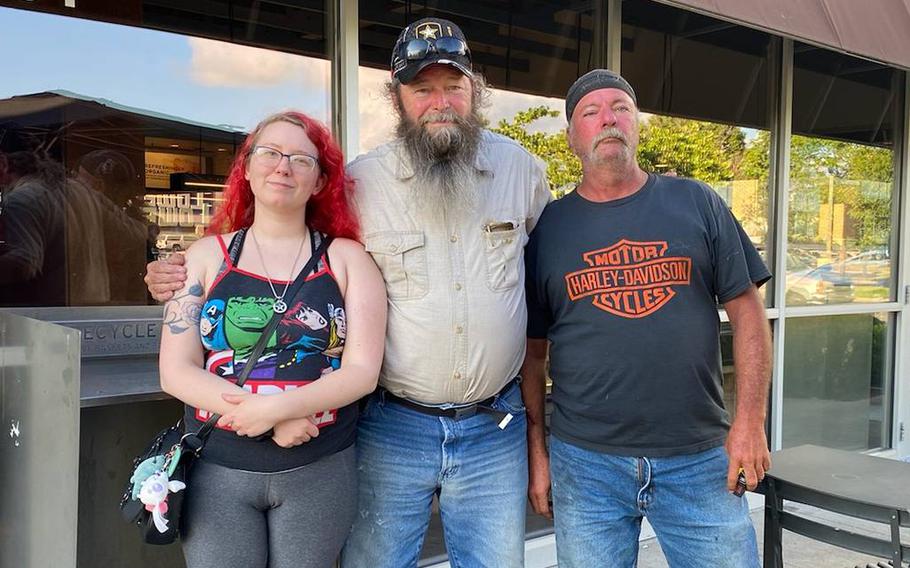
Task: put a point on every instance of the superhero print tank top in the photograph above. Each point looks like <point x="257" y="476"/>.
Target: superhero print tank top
<point x="306" y="345"/>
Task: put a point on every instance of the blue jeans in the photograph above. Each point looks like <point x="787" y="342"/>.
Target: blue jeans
<point x="599" y="500"/>
<point x="479" y="472"/>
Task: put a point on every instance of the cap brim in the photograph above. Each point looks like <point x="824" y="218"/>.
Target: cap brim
<point x="410" y="72"/>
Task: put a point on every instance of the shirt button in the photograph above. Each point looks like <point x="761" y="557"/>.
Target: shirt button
<point x="457" y="286"/>
<point x="458" y="329"/>
<point x="453" y="238"/>
<point x="457" y="375"/>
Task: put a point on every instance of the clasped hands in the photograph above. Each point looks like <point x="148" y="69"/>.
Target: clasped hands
<point x="253" y="415"/>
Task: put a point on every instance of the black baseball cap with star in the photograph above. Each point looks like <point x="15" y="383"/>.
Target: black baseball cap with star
<point x="430" y="41"/>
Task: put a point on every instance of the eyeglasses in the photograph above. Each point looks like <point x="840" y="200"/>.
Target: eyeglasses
<point x="418" y="49"/>
<point x="270" y="158"/>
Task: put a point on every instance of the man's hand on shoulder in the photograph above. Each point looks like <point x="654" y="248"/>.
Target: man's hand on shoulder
<point x="164" y="277"/>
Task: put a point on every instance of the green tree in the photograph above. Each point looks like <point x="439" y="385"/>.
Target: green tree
<point x="563" y="167"/>
<point x="870" y="163"/>
<point x="718" y="154"/>
<point x="858" y="176"/>
<point x="707" y="151"/>
<point x="756" y="159"/>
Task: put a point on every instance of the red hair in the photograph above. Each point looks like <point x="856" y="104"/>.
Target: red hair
<point x="328" y="211"/>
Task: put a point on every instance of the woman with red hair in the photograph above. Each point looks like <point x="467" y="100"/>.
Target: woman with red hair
<point x="259" y="495"/>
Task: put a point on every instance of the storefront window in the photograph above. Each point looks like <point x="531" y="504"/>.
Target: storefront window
<point x="110" y="158"/>
<point x="841" y="179"/>
<point x="297" y="27"/>
<point x="836" y="381"/>
<point x="538" y="49"/>
<point x="704" y="87"/>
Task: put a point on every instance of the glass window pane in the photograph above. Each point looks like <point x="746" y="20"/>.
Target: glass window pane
<point x="109" y="158"/>
<point x="836" y="381"/>
<point x="694" y="125"/>
<point x="733" y="160"/>
<point x="540" y="49"/>
<point x="686" y="64"/>
<point x="841" y="179"/>
<point x="294" y="27"/>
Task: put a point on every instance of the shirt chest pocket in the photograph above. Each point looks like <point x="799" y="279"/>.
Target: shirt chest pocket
<point x="503" y="251"/>
<point x="402" y="259"/>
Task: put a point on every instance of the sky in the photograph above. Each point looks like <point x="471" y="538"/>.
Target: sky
<point x="202" y="80"/>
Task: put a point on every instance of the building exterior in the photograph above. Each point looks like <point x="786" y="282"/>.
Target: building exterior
<point x="799" y="121"/>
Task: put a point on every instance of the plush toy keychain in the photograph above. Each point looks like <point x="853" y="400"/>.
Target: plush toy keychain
<point x="151" y="485"/>
<point x="153" y="494"/>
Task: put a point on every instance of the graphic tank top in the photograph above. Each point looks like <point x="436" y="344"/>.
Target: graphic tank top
<point x="306" y="345"/>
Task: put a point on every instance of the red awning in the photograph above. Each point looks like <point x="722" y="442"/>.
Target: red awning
<point x="875" y="29"/>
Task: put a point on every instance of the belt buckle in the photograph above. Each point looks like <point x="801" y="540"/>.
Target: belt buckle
<point x="465" y="412"/>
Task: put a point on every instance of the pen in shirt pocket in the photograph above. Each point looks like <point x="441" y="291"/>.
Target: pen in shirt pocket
<point x="497" y="226"/>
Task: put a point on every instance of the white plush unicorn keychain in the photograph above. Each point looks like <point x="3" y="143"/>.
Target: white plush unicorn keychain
<point x="153" y="494"/>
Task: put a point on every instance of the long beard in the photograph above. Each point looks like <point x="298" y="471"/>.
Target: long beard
<point x="445" y="181"/>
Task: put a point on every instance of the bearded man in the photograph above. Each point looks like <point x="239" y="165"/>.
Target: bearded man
<point x="445" y="210"/>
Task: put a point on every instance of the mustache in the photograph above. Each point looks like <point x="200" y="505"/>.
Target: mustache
<point x="442" y="116"/>
<point x="609" y="132"/>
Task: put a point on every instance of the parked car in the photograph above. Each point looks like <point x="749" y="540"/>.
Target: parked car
<point x="864" y="276"/>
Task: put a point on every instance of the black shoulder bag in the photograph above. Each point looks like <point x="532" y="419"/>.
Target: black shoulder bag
<point x="153" y="498"/>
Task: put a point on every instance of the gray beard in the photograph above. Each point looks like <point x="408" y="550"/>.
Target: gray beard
<point x="445" y="181"/>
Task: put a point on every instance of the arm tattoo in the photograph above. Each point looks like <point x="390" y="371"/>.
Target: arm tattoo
<point x="182" y="312"/>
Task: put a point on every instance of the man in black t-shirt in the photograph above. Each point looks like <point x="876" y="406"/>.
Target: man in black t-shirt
<point x="624" y="277"/>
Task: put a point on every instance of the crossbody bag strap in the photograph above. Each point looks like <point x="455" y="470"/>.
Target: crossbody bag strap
<point x="206" y="428"/>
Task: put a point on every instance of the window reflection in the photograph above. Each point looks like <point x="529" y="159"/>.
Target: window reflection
<point x="686" y="64"/>
<point x="734" y="161"/>
<point x="294" y="27"/>
<point x="705" y="88"/>
<point x="836" y="382"/>
<point x="840" y="223"/>
<point x="538" y="49"/>
<point x="89" y="198"/>
<point x="841" y="179"/>
<point x="105" y="167"/>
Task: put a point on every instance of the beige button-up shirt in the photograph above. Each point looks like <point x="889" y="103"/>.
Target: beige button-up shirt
<point x="457" y="314"/>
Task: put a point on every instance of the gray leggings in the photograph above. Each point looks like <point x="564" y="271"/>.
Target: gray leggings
<point x="298" y="518"/>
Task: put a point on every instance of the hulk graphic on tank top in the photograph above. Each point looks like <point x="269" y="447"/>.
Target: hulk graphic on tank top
<point x="244" y="319"/>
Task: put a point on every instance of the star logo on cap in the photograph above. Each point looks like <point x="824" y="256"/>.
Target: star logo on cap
<point x="429" y="30"/>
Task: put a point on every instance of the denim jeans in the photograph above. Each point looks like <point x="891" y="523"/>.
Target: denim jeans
<point x="479" y="471"/>
<point x="599" y="500"/>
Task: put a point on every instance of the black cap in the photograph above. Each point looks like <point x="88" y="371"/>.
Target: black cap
<point x="593" y="81"/>
<point x="431" y="30"/>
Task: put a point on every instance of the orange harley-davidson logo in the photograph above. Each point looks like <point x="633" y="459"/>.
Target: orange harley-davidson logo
<point x="630" y="279"/>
